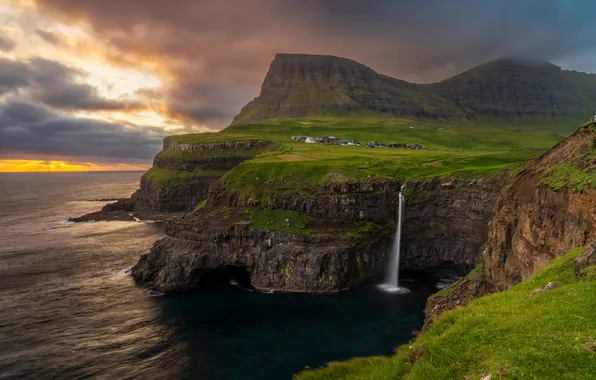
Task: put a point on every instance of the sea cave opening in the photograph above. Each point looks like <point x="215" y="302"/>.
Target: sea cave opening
<point x="227" y="275"/>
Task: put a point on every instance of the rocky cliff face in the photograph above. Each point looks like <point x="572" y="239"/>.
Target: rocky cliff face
<point x="183" y="173"/>
<point x="374" y="200"/>
<point x="337" y="253"/>
<point x="535" y="221"/>
<point x="446" y="222"/>
<point x="541" y="213"/>
<point x="299" y="85"/>
<point x="198" y="250"/>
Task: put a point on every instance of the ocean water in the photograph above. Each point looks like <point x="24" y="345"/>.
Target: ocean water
<point x="69" y="310"/>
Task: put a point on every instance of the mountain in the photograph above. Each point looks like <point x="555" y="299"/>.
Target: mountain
<point x="299" y="85"/>
<point x="515" y="87"/>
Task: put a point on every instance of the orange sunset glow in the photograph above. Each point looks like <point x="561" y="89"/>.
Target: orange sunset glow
<point x="16" y="166"/>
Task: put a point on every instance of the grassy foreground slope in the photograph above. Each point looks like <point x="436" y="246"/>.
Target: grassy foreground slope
<point x="513" y="335"/>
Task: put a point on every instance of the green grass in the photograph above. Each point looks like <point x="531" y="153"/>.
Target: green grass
<point x="510" y="335"/>
<point x="310" y="168"/>
<point x="365" y="228"/>
<point x="279" y="220"/>
<point x="467" y="149"/>
<point x="568" y="176"/>
<point x="486" y="134"/>
<point x="200" y="205"/>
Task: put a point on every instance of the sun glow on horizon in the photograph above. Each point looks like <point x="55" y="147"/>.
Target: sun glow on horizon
<point x="48" y="166"/>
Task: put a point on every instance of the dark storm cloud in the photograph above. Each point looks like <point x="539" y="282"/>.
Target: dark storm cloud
<point x="28" y="130"/>
<point x="6" y="44"/>
<point x="229" y="44"/>
<point x="54" y="84"/>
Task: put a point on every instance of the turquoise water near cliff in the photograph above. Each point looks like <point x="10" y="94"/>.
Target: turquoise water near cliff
<point x="69" y="310"/>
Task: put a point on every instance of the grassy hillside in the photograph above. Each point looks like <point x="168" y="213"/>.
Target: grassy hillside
<point x="486" y="134"/>
<point x="464" y="150"/>
<point x="513" y="335"/>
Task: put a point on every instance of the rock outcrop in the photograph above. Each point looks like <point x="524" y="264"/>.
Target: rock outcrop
<point x="182" y="173"/>
<point x="205" y="246"/>
<point x="541" y="213"/>
<point x="585" y="263"/>
<point x="374" y="200"/>
<point x="535" y="221"/>
<point x="337" y="252"/>
<point x="180" y="179"/>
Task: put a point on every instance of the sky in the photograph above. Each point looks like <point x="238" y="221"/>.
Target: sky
<point x="97" y="85"/>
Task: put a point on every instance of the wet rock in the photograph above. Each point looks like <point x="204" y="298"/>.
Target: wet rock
<point x="192" y="252"/>
<point x="458" y="294"/>
<point x="446" y="222"/>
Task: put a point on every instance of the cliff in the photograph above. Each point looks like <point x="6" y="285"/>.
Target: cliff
<point x="300" y="85"/>
<point x="541" y="213"/>
<point x="327" y="240"/>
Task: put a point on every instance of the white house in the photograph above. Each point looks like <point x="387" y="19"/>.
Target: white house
<point x="309" y="140"/>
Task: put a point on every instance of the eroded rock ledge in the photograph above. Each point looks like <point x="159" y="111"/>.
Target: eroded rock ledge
<point x="541" y="213"/>
<point x="198" y="245"/>
<point x="350" y="230"/>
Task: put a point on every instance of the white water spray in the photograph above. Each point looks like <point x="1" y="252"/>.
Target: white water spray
<point x="391" y="283"/>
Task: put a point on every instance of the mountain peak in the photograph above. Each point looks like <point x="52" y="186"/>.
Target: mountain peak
<point x="518" y="63"/>
<point x="301" y="85"/>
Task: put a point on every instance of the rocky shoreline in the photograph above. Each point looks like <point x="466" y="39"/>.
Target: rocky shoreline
<point x="511" y="225"/>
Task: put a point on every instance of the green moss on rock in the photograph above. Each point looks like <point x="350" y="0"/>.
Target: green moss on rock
<point x="279" y="220"/>
<point x="568" y="176"/>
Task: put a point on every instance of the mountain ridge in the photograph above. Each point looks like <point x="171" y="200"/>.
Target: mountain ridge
<point x="301" y="85"/>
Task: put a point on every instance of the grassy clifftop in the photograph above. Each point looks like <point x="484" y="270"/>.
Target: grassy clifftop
<point x="449" y="149"/>
<point x="514" y="335"/>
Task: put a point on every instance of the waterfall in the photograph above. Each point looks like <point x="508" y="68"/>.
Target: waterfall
<point x="391" y="283"/>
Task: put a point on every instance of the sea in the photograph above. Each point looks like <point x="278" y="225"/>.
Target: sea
<point x="70" y="310"/>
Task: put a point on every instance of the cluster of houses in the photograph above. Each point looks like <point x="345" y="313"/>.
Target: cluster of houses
<point x="377" y="144"/>
<point x="332" y="140"/>
<point x="329" y="140"/>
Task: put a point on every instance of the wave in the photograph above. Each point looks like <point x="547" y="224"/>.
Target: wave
<point x="121" y="274"/>
<point x="103" y="200"/>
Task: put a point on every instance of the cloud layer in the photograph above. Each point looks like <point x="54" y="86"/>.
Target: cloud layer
<point x="215" y="54"/>
<point x="31" y="131"/>
<point x="54" y="84"/>
<point x="39" y="97"/>
<point x="218" y="52"/>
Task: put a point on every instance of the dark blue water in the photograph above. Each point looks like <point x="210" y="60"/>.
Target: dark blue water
<point x="68" y="310"/>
